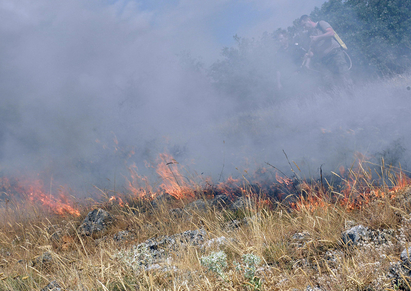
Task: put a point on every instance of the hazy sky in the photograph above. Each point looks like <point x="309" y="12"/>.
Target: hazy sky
<point x="201" y="27"/>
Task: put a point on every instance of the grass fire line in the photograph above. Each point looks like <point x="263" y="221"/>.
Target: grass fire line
<point x="348" y="233"/>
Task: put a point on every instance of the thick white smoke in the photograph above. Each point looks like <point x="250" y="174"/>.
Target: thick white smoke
<point x="90" y="87"/>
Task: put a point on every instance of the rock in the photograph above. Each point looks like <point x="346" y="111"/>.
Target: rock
<point x="52" y="286"/>
<point x="301" y="238"/>
<point x="241" y="204"/>
<point x="198" y="205"/>
<point x="162" y="200"/>
<point x="154" y="251"/>
<point x="215" y="242"/>
<point x="123" y="235"/>
<point x="234" y="224"/>
<point x="176" y="212"/>
<point x="406" y="256"/>
<point x="399" y="272"/>
<point x="309" y="288"/>
<point x="355" y="235"/>
<point x="54" y="233"/>
<point x="96" y="221"/>
<point x="221" y="202"/>
<point x="43" y="260"/>
<point x="191" y="237"/>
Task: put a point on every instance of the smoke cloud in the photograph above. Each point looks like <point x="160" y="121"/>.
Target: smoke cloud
<point x="89" y="88"/>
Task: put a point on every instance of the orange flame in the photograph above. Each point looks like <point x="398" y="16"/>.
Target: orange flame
<point x="359" y="189"/>
<point x="173" y="181"/>
<point x="135" y="184"/>
<point x="33" y="190"/>
<point x="282" y="180"/>
<point x="114" y="198"/>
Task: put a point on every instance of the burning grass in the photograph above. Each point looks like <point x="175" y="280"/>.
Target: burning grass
<point x="292" y="228"/>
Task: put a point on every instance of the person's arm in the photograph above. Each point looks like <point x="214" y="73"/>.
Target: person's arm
<point x="326" y="28"/>
<point x="329" y="33"/>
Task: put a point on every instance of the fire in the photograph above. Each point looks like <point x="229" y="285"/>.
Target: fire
<point x="282" y="180"/>
<point x="174" y="182"/>
<point x="355" y="187"/>
<point x="359" y="188"/>
<point x="58" y="206"/>
<point x="34" y="191"/>
<point x="114" y="198"/>
<point x="231" y="187"/>
<point x="135" y="187"/>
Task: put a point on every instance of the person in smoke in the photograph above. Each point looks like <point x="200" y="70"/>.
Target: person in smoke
<point x="288" y="62"/>
<point x="326" y="53"/>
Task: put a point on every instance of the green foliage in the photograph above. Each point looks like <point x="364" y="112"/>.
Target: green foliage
<point x="216" y="262"/>
<point x="377" y="32"/>
<point x="249" y="266"/>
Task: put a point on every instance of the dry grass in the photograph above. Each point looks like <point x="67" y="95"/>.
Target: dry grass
<point x="317" y="258"/>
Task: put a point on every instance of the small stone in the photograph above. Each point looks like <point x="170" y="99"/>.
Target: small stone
<point x="242" y="204"/>
<point x="123" y="235"/>
<point x="221" y="201"/>
<point x="44" y="259"/>
<point x="406" y="256"/>
<point x="301" y="235"/>
<point x="355" y="234"/>
<point x="52" y="286"/>
<point x="198" y="205"/>
<point x="96" y="221"/>
<point x="176" y="213"/>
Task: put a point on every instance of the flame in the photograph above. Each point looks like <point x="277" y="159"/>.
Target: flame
<point x="114" y="198"/>
<point x="58" y="206"/>
<point x="282" y="180"/>
<point x="358" y="188"/>
<point x="231" y="187"/>
<point x="173" y="181"/>
<point x="134" y="185"/>
<point x="34" y="191"/>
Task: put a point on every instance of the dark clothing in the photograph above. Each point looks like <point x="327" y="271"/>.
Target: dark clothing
<point x="330" y="58"/>
<point x="325" y="46"/>
<point x="334" y="69"/>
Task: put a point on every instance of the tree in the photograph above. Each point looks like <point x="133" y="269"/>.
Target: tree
<point x="377" y="32"/>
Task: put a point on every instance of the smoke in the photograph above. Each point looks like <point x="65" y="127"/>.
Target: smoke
<point x="89" y="88"/>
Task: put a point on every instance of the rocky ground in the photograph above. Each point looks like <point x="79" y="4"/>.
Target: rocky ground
<point x="216" y="244"/>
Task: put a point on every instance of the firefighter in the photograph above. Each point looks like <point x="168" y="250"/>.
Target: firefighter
<point x="326" y="54"/>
